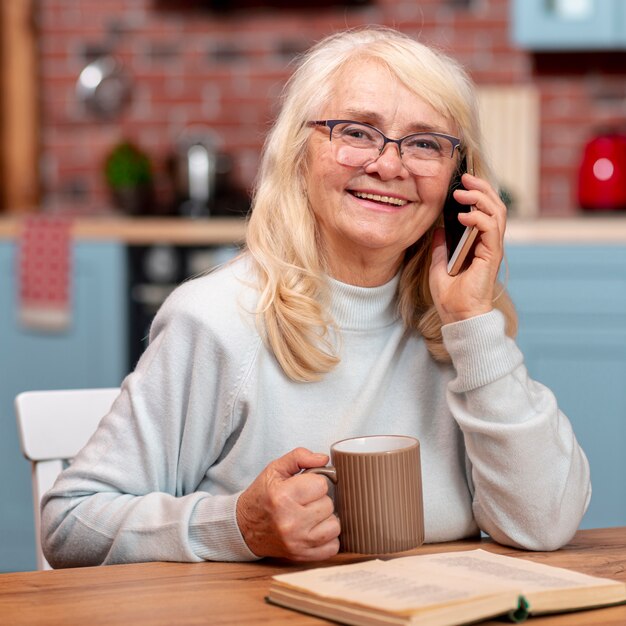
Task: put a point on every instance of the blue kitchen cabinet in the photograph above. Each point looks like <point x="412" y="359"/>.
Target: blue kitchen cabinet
<point x="91" y="353"/>
<point x="569" y="24"/>
<point x="571" y="301"/>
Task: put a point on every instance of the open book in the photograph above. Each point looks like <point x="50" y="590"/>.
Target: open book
<point x="441" y="590"/>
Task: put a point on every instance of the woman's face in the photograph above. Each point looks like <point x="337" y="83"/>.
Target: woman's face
<point x="364" y="238"/>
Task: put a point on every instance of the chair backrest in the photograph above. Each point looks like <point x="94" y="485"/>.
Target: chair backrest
<point x="53" y="426"/>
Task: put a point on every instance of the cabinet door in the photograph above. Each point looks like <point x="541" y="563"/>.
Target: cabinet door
<point x="91" y="353"/>
<point x="620" y="23"/>
<point x="571" y="302"/>
<point x="567" y="24"/>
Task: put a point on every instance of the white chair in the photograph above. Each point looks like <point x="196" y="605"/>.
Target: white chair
<point x="53" y="426"/>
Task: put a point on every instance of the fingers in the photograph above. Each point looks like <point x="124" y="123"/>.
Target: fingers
<point x="307" y="532"/>
<point x="304" y="488"/>
<point x="287" y="515"/>
<point x="489" y="246"/>
<point x="323" y="541"/>
<point x="296" y="460"/>
<point x="488" y="216"/>
<point x="320" y="509"/>
<point x="473" y="183"/>
<point x="483" y="197"/>
<point x="470" y="293"/>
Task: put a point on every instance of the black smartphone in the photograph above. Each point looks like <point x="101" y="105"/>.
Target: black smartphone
<point x="459" y="239"/>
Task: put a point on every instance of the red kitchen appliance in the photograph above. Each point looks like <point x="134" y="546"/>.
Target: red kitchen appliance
<point x="602" y="174"/>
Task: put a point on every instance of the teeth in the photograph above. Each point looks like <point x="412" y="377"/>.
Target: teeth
<point x="377" y="198"/>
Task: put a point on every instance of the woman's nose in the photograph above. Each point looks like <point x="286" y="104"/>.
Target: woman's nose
<point x="389" y="163"/>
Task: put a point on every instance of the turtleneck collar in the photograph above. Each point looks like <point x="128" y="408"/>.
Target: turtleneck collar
<point x="363" y="308"/>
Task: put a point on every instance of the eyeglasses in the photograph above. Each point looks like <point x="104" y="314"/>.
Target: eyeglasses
<point x="357" y="144"/>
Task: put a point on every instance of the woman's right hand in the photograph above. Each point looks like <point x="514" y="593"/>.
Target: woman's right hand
<point x="288" y="514"/>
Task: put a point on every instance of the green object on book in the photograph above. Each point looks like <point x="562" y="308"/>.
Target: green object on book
<point x="522" y="611"/>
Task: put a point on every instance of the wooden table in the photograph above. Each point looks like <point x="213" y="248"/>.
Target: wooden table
<point x="233" y="593"/>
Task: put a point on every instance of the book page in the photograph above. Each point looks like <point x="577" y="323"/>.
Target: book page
<point x="427" y="582"/>
<point x="525" y="576"/>
<point x="544" y="587"/>
<point x="384" y="586"/>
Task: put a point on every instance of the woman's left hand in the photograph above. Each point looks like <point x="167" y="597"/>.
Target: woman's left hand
<point x="471" y="292"/>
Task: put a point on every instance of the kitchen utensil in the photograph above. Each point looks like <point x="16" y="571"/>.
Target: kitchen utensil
<point x="196" y="172"/>
<point x="103" y="87"/>
<point x="602" y="174"/>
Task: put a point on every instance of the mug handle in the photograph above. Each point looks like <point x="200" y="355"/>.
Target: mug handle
<point x="329" y="471"/>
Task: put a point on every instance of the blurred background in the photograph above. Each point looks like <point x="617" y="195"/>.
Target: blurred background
<point x="216" y="68"/>
<point x="138" y="124"/>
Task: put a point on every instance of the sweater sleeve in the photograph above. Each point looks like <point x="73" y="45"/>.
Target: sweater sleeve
<point x="131" y="494"/>
<point x="529" y="477"/>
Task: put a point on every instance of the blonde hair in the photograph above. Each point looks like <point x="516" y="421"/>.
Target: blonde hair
<point x="282" y="238"/>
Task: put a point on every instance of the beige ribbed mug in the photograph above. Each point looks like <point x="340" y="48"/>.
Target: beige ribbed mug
<point x="378" y="493"/>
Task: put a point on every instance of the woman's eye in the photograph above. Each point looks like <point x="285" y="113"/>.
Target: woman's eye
<point x="429" y="144"/>
<point x="357" y="132"/>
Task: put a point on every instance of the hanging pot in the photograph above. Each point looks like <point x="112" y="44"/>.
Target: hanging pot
<point x="104" y="87"/>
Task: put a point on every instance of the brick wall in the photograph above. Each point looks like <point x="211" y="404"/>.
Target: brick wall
<point x="190" y="66"/>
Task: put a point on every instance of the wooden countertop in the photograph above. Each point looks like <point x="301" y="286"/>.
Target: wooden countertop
<point x="184" y="231"/>
<point x="147" y="230"/>
<point x="585" y="229"/>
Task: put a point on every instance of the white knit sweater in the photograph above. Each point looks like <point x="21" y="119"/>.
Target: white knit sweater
<point x="208" y="407"/>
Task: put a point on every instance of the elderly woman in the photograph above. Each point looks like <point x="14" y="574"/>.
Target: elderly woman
<point x="339" y="320"/>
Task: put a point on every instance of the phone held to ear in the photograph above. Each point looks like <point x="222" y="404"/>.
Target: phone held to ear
<point x="459" y="239"/>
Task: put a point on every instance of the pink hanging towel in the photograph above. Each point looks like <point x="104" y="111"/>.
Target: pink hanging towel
<point x="45" y="273"/>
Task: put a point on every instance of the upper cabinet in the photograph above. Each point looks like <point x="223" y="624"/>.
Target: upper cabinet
<point x="569" y="24"/>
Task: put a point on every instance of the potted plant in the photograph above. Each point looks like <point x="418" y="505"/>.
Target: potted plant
<point x="128" y="173"/>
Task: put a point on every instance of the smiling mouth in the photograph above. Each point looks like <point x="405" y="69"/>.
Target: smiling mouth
<point x="389" y="200"/>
